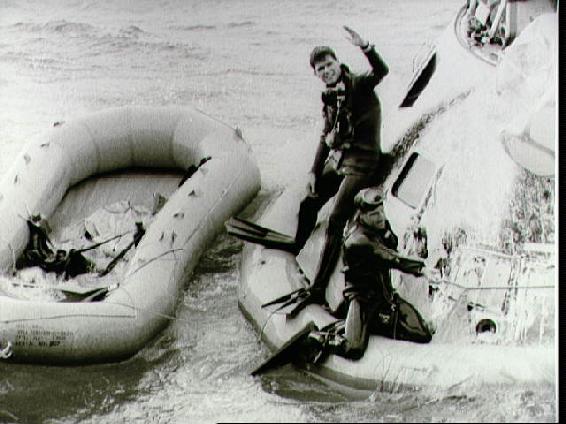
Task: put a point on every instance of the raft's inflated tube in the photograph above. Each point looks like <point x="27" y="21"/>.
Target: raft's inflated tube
<point x="115" y="139"/>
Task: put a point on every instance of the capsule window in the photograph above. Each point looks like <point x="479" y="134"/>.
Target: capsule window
<point x="419" y="82"/>
<point x="414" y="180"/>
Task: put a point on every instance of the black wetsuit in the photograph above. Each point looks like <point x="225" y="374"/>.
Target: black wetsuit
<point x="348" y="162"/>
<point x="369" y="256"/>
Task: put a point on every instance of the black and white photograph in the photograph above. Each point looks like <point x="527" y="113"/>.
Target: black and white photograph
<point x="278" y="211"/>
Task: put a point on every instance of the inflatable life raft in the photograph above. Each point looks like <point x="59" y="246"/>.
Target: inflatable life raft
<point x="494" y="317"/>
<point x="61" y="168"/>
<point x="474" y="345"/>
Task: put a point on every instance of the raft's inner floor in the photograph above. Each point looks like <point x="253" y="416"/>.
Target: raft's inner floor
<point x="134" y="186"/>
<point x="103" y="206"/>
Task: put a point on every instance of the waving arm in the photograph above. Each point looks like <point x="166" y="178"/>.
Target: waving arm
<point x="379" y="67"/>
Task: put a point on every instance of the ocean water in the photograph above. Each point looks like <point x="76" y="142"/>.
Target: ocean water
<point x="246" y="63"/>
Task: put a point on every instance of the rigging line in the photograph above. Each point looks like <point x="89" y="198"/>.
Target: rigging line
<point x="153" y="259"/>
<point x="265" y="324"/>
<point x="131" y="306"/>
<point x="84" y="315"/>
<point x="491" y="287"/>
<point x="66" y="316"/>
<point x="224" y="124"/>
<point x="173" y="297"/>
<point x="156" y="313"/>
<point x="458" y="299"/>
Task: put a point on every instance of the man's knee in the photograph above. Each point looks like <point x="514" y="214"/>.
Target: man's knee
<point x="345" y="347"/>
<point x="355" y="330"/>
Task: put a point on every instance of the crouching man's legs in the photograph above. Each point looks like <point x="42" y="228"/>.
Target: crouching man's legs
<point x="349" y="337"/>
<point x="356" y="333"/>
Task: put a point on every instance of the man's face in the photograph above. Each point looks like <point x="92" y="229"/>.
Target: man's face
<point x="328" y="70"/>
<point x="376" y="218"/>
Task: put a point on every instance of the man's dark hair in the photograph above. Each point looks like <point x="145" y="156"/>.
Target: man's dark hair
<point x="319" y="53"/>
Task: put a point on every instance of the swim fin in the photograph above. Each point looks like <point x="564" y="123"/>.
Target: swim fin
<point x="313" y="295"/>
<point x="255" y="233"/>
<point x="287" y="299"/>
<point x="301" y="298"/>
<point x="291" y="351"/>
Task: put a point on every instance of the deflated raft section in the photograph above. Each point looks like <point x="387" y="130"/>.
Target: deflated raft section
<point x="52" y="172"/>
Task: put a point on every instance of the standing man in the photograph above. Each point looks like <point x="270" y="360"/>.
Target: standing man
<point x="347" y="158"/>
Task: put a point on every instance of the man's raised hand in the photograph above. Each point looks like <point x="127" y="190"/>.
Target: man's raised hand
<point x="355" y="38"/>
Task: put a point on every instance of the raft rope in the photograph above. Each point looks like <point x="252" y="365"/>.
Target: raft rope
<point x="78" y="315"/>
<point x="274" y="312"/>
<point x="450" y="283"/>
<point x="465" y="289"/>
<point x="154" y="259"/>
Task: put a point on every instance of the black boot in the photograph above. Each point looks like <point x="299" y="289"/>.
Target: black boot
<point x="328" y="259"/>
<point x="308" y="213"/>
<point x="316" y="292"/>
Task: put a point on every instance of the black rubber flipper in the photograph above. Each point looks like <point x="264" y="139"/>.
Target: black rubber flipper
<point x="252" y="227"/>
<point x="264" y="241"/>
<point x="259" y="235"/>
<point x="289" y="298"/>
<point x="314" y="295"/>
<point x="244" y="223"/>
<point x="289" y="352"/>
<point x="301" y="297"/>
<point x="254" y="233"/>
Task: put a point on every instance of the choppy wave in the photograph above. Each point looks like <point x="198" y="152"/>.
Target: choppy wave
<point x="59" y="26"/>
<point x="81" y="47"/>
<point x="198" y="27"/>
<point x="240" y="24"/>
